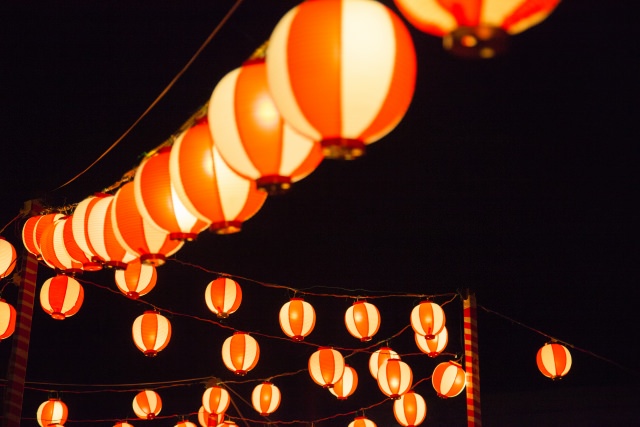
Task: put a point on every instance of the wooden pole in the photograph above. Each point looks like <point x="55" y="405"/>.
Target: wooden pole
<point x="472" y="366"/>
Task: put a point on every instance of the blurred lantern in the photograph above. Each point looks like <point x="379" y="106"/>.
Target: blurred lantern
<point x="223" y="296"/>
<point x="137" y="279"/>
<point x="395" y="378"/>
<point x="74" y="250"/>
<point x="297" y="319"/>
<point x="53" y="412"/>
<point x="54" y="251"/>
<point x="428" y="319"/>
<point x="216" y="400"/>
<point x="122" y="424"/>
<point x="240" y="353"/>
<point x="378" y="357"/>
<point x="147" y="404"/>
<point x="33" y="229"/>
<point x="362" y="320"/>
<point x="448" y="379"/>
<point x="158" y="202"/>
<point x="252" y="137"/>
<point x="207" y="187"/>
<point x="61" y="296"/>
<point x="362" y="422"/>
<point x="326" y="366"/>
<point x="476" y="29"/>
<point x="265" y="398"/>
<point x="227" y="423"/>
<point x="554" y="360"/>
<point x="341" y="72"/>
<point x="410" y="409"/>
<point x="151" y="332"/>
<point x="347" y="385"/>
<point x="8" y="258"/>
<point x="207" y="419"/>
<point x="434" y="346"/>
<point x="7" y="319"/>
<point x="184" y="423"/>
<point x="135" y="234"/>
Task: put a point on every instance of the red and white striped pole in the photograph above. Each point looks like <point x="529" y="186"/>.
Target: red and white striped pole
<point x="472" y="366"/>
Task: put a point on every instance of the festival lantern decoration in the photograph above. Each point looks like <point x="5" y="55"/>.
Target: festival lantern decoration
<point x="240" y="353"/>
<point x="137" y="279"/>
<point x="252" y="137"/>
<point x="394" y="378"/>
<point x="80" y="223"/>
<point x="554" y="360"/>
<point x="54" y="249"/>
<point x="75" y="251"/>
<point x="434" y="346"/>
<point x="341" y="72"/>
<point x="61" y="296"/>
<point x="147" y="404"/>
<point x="223" y="296"/>
<point x="472" y="28"/>
<point x="207" y="419"/>
<point x="448" y="379"/>
<point x="362" y="320"/>
<point x="297" y="319"/>
<point x="51" y="413"/>
<point x="326" y="366"/>
<point x="227" y="423"/>
<point x="207" y="187"/>
<point x="102" y="237"/>
<point x="410" y="409"/>
<point x="362" y="421"/>
<point x="265" y="398"/>
<point x="8" y="258"/>
<point x="185" y="423"/>
<point x="151" y="332"/>
<point x="33" y="229"/>
<point x="428" y="319"/>
<point x="122" y="424"/>
<point x="347" y="385"/>
<point x="378" y="357"/>
<point x="7" y="319"/>
<point x="216" y="400"/>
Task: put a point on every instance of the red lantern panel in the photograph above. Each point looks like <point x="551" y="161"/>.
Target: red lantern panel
<point x="433" y="347"/>
<point x="265" y="398"/>
<point x="347" y="385"/>
<point x="448" y="379"/>
<point x="7" y="319"/>
<point x="378" y="357"/>
<point x="297" y="319"/>
<point x="362" y="320"/>
<point x="428" y="319"/>
<point x="410" y="409"/>
<point x="223" y="296"/>
<point x="240" y="353"/>
<point x="554" y="360"/>
<point x="362" y="422"/>
<point x="151" y="332"/>
<point x="326" y="366"/>
<point x="395" y="378"/>
<point x="147" y="404"/>
<point x="61" y="296"/>
<point x="207" y="419"/>
<point x="8" y="258"/>
<point x="33" y="229"/>
<point x="216" y="400"/>
<point x="51" y="413"/>
<point x="137" y="279"/>
<point x="54" y="249"/>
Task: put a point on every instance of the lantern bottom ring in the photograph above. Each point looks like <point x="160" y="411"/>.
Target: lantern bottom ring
<point x="342" y="148"/>
<point x="226" y="227"/>
<point x="153" y="259"/>
<point x="183" y="236"/>
<point x="482" y="41"/>
<point x="274" y="184"/>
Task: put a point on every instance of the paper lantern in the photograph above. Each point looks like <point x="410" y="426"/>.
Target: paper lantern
<point x="410" y="409"/>
<point x="54" y="249"/>
<point x="7" y="319"/>
<point x="227" y="423"/>
<point x="122" y="424"/>
<point x="394" y="378"/>
<point x="8" y="258"/>
<point x="53" y="412"/>
<point x="362" y="320"/>
<point x="61" y="296"/>
<point x="341" y="72"/>
<point x="265" y="398"/>
<point x="223" y="296"/>
<point x="326" y="366"/>
<point x="216" y="400"/>
<point x="252" y="137"/>
<point x="428" y="319"/>
<point x="434" y="346"/>
<point x="75" y="251"/>
<point x="207" y="187"/>
<point x="347" y="385"/>
<point x="378" y="357"/>
<point x="240" y="353"/>
<point x="185" y="424"/>
<point x="102" y="236"/>
<point x="448" y="379"/>
<point x="554" y="360"/>
<point x="33" y="229"/>
<point x="137" y="279"/>
<point x="297" y="319"/>
<point x="207" y="419"/>
<point x="151" y="332"/>
<point x="147" y="404"/>
<point x="362" y="422"/>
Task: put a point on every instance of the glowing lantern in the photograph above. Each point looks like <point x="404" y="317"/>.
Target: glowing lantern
<point x="265" y="398"/>
<point x="122" y="424"/>
<point x="7" y="319"/>
<point x="410" y="409"/>
<point x="347" y="385"/>
<point x="428" y="319"/>
<point x="207" y="419"/>
<point x="448" y="379"/>
<point x="362" y="320"/>
<point x="297" y="319"/>
<point x="53" y="412"/>
<point x="341" y="72"/>
<point x="362" y="422"/>
<point x="185" y="424"/>
<point x="8" y="258"/>
<point x="147" y="404"/>
<point x="554" y="360"/>
<point x="326" y="366"/>
<point x="223" y="296"/>
<point x="227" y="423"/>
<point x="102" y="236"/>
<point x="394" y="378"/>
<point x="216" y="400"/>
<point x="54" y="249"/>
<point x="240" y="353"/>
<point x="151" y="332"/>
<point x="75" y="251"/>
<point x="252" y="137"/>
<point x="33" y="229"/>
<point x="378" y="357"/>
<point x="434" y="346"/>
<point x="207" y="187"/>
<point x="137" y="279"/>
<point x="61" y="296"/>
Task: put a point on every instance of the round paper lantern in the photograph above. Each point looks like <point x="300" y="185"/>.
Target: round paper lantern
<point x="410" y="409"/>
<point x="8" y="258"/>
<point x="378" y="357"/>
<point x="122" y="424"/>
<point x="7" y="319"/>
<point x="326" y="366"/>
<point x="362" y="422"/>
<point x="75" y="251"/>
<point x="341" y="72"/>
<point x="347" y="385"/>
<point x="53" y="412"/>
<point x="82" y="228"/>
<point x="33" y="229"/>
<point x="185" y="424"/>
<point x="395" y="378"/>
<point x="102" y="236"/>
<point x="61" y="296"/>
<point x="240" y="353"/>
<point x="448" y="379"/>
<point x="151" y="332"/>
<point x="428" y="319"/>
<point x="207" y="419"/>
<point x="362" y="320"/>
<point x="265" y="398"/>
<point x="223" y="296"/>
<point x="54" y="249"/>
<point x="227" y="423"/>
<point x="207" y="187"/>
<point x="147" y="404"/>
<point x="252" y="137"/>
<point x="216" y="400"/>
<point x="137" y="279"/>
<point x="434" y="346"/>
<point x="554" y="360"/>
<point x="297" y="319"/>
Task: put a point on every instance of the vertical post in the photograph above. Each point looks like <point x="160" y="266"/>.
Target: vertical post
<point x="472" y="366"/>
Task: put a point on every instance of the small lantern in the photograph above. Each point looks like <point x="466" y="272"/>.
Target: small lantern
<point x="137" y="279"/>
<point x="240" y="353"/>
<point x="207" y="419"/>
<point x="428" y="319"/>
<point x="51" y="413"/>
<point x="122" y="424"/>
<point x="184" y="423"/>
<point x="378" y="357"/>
<point x="395" y="378"/>
<point x="448" y="379"/>
<point x="216" y="400"/>
<point x="54" y="251"/>
<point x="227" y="423"/>
<point x="326" y="366"/>
<point x="7" y="319"/>
<point x="554" y="360"/>
<point x="223" y="296"/>
<point x="297" y="319"/>
<point x="61" y="296"/>
<point x="147" y="404"/>
<point x="362" y="320"/>
<point x="347" y="385"/>
<point x="8" y="258"/>
<point x="151" y="332"/>
<point x="362" y="422"/>
<point x="410" y="409"/>
<point x="265" y="398"/>
<point x="433" y="347"/>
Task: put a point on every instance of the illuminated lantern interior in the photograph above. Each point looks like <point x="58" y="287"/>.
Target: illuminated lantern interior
<point x="216" y="400"/>
<point x="53" y="412"/>
<point x="428" y="319"/>
<point x="8" y="258"/>
<point x="151" y="332"/>
<point x="395" y="378"/>
<point x="297" y="319"/>
<point x="7" y="319"/>
<point x="147" y="404"/>
<point x="410" y="409"/>
<point x="223" y="296"/>
<point x="347" y="385"/>
<point x="326" y="366"/>
<point x="378" y="357"/>
<point x="448" y="379"/>
<point x="207" y="419"/>
<point x="265" y="398"/>
<point x="362" y="422"/>
<point x="61" y="296"/>
<point x="434" y="346"/>
<point x="240" y="353"/>
<point x="554" y="360"/>
<point x="362" y="320"/>
<point x="137" y="279"/>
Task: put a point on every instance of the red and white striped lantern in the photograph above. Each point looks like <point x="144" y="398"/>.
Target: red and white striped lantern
<point x="8" y="258"/>
<point x="102" y="236"/>
<point x="7" y="319"/>
<point x="61" y="296"/>
<point x="207" y="419"/>
<point x="147" y="404"/>
<point x="185" y="423"/>
<point x="216" y="400"/>
<point x="395" y="378"/>
<point x="362" y="320"/>
<point x="54" y="251"/>
<point x="137" y="279"/>
<point x="240" y="353"/>
<point x="326" y="366"/>
<point x="434" y="346"/>
<point x="448" y="379"/>
<point x="151" y="332"/>
<point x="33" y="229"/>
<point x="347" y="385"/>
<point x="122" y="424"/>
<point x="362" y="421"/>
<point x="378" y="357"/>
<point x="410" y="409"/>
<point x="297" y="319"/>
<point x="265" y="398"/>
<point x="75" y="251"/>
<point x="223" y="296"/>
<point x="52" y="413"/>
<point x="428" y="319"/>
<point x="554" y="360"/>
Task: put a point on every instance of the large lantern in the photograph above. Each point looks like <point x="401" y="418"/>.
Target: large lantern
<point x="554" y="360"/>
<point x="434" y="346"/>
<point x="8" y="258"/>
<point x="448" y="379"/>
<point x="216" y="400"/>
<point x="378" y="357"/>
<point x="326" y="366"/>
<point x="362" y="320"/>
<point x="297" y="319"/>
<point x="75" y="251"/>
<point x="137" y="279"/>
<point x="54" y="249"/>
<point x="240" y="353"/>
<point x="265" y="398"/>
<point x="362" y="421"/>
<point x="151" y="332"/>
<point x="33" y="229"/>
<point x="223" y="296"/>
<point x="52" y="413"/>
<point x="341" y="72"/>
<point x="347" y="385"/>
<point x="410" y="409"/>
<point x="395" y="378"/>
<point x="147" y="404"/>
<point x="61" y="296"/>
<point x="208" y="419"/>
<point x="428" y="319"/>
<point x="7" y="319"/>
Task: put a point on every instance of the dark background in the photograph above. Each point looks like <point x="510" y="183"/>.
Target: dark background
<point x="514" y="177"/>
